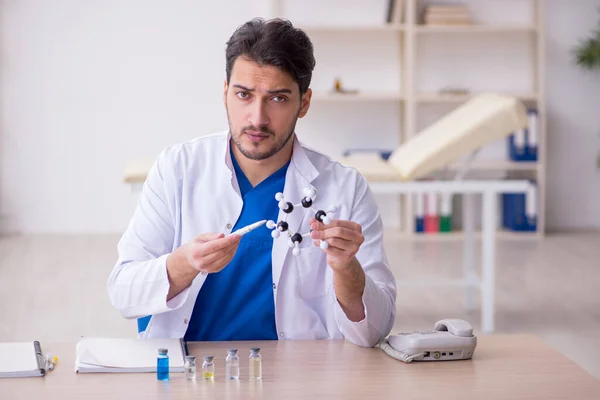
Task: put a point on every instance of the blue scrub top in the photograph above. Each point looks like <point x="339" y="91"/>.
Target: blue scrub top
<point x="237" y="302"/>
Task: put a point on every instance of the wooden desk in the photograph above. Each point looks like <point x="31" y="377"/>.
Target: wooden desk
<point x="514" y="367"/>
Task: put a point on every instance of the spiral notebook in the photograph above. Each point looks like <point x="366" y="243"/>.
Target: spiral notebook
<point x="21" y="359"/>
<point x="127" y="355"/>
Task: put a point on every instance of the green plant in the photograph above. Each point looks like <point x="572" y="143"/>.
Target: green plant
<point x="587" y="56"/>
<point x="587" y="52"/>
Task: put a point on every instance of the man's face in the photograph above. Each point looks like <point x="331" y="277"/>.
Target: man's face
<point x="263" y="104"/>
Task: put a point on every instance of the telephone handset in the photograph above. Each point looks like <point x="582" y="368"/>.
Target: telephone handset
<point x="450" y="339"/>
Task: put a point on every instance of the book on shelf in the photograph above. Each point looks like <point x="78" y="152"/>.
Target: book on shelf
<point x="395" y="11"/>
<point x="446" y="15"/>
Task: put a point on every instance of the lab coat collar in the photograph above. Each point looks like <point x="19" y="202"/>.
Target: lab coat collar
<point x="304" y="167"/>
<point x="299" y="161"/>
<point x="229" y="164"/>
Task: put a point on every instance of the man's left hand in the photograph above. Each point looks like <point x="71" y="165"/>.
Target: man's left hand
<point x="344" y="239"/>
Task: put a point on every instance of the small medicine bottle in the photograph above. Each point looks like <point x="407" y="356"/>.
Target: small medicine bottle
<point x="232" y="364"/>
<point x="255" y="367"/>
<point x="162" y="365"/>
<point x="208" y="368"/>
<point x="190" y="368"/>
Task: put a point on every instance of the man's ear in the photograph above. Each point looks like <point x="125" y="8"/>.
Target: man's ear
<point x="305" y="105"/>
<point x="225" y="86"/>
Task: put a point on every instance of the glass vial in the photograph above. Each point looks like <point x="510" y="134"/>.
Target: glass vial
<point x="232" y="364"/>
<point x="190" y="368"/>
<point x="162" y="365"/>
<point x="208" y="368"/>
<point x="255" y="367"/>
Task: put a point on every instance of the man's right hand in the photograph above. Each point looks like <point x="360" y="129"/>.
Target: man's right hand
<point x="208" y="253"/>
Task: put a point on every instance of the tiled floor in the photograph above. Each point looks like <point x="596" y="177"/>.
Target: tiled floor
<point x="53" y="288"/>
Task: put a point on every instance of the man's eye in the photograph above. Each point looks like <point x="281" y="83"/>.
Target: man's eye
<point x="242" y="95"/>
<point x="279" y="99"/>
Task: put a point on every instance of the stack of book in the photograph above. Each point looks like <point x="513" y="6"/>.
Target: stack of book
<point x="446" y="15"/>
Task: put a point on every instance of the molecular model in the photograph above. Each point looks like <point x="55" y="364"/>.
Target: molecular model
<point x="288" y="208"/>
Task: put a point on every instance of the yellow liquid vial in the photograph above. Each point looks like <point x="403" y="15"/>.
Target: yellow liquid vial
<point x="255" y="364"/>
<point x="208" y="368"/>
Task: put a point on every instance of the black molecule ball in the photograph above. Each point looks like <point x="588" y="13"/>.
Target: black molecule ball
<point x="319" y="215"/>
<point x="306" y="202"/>
<point x="289" y="207"/>
<point x="297" y="238"/>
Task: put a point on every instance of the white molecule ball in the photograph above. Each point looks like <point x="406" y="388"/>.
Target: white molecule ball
<point x="271" y="224"/>
<point x="324" y="245"/>
<point x="332" y="208"/>
<point x="275" y="234"/>
<point x="291" y="244"/>
<point x="279" y="196"/>
<point x="282" y="205"/>
<point x="310" y="193"/>
<point x="326" y="220"/>
<point x="296" y="251"/>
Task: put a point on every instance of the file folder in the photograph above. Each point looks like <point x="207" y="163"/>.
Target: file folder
<point x="21" y="360"/>
<point x="523" y="144"/>
<point x="519" y="211"/>
<point x="383" y="153"/>
<point x="532" y="134"/>
<point x="446" y="213"/>
<point x="125" y="355"/>
<point x="432" y="219"/>
<point x="419" y="213"/>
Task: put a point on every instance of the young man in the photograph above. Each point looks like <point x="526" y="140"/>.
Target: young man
<point x="181" y="272"/>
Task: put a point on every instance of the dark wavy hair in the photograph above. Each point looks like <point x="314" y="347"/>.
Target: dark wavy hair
<point x="273" y="42"/>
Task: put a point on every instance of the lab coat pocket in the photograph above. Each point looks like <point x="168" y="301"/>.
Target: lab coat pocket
<point x="313" y="273"/>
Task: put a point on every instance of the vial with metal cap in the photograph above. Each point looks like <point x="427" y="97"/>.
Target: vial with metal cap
<point x="232" y="364"/>
<point x="255" y="364"/>
<point x="190" y="368"/>
<point x="162" y="365"/>
<point x="208" y="368"/>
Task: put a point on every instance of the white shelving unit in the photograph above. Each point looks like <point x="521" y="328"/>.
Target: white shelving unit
<point x="411" y="32"/>
<point x="476" y="29"/>
<point x="362" y="96"/>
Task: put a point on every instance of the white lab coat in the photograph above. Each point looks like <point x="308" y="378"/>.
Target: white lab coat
<point x="192" y="189"/>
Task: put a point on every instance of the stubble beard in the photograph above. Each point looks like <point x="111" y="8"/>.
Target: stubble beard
<point x="256" y="155"/>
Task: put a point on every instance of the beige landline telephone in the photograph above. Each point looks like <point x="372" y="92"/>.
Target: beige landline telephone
<point x="450" y="339"/>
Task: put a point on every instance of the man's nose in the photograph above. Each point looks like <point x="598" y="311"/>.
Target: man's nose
<point x="258" y="115"/>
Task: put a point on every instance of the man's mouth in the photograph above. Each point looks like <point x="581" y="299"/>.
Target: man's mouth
<point x="256" y="136"/>
<point x="253" y="133"/>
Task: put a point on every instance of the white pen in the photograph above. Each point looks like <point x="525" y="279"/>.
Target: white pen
<point x="248" y="228"/>
<point x="243" y="231"/>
